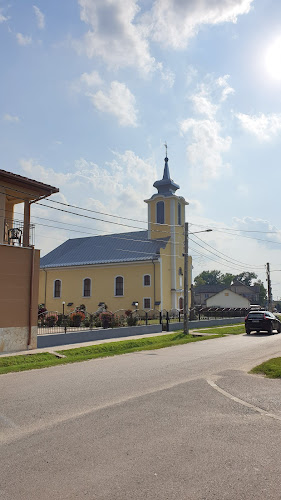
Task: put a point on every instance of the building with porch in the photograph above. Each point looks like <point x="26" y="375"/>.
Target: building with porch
<point x="19" y="262"/>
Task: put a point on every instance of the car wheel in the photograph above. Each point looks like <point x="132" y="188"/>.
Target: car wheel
<point x="248" y="332"/>
<point x="278" y="329"/>
<point x="270" y="330"/>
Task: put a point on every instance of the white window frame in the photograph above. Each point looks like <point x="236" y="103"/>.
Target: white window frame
<point x="119" y="276"/>
<point x="146" y="298"/>
<point x="54" y="287"/>
<point x="149" y="279"/>
<point x="83" y="288"/>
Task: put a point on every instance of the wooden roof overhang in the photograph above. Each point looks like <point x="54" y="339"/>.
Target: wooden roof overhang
<point x="18" y="188"/>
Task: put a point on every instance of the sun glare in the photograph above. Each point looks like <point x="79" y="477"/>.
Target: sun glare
<point x="273" y="59"/>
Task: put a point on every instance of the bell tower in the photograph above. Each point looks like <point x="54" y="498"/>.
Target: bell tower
<point x="166" y="219"/>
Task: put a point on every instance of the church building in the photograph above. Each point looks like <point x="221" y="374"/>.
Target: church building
<point x="139" y="269"/>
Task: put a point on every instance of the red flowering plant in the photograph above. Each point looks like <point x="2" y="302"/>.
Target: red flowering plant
<point x="107" y="319"/>
<point x="77" y="317"/>
<point x="51" y="318"/>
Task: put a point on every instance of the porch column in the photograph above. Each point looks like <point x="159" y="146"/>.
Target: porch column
<point x="26" y="223"/>
<point x="2" y="216"/>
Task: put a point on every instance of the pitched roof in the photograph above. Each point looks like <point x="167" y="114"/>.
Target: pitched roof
<point x="121" y="247"/>
<point x="208" y="288"/>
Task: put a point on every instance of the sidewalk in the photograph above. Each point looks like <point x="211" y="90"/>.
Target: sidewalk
<point x="54" y="349"/>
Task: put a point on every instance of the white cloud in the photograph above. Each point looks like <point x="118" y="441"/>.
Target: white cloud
<point x="264" y="127"/>
<point x="222" y="82"/>
<point x="205" y="152"/>
<point x="114" y="188"/>
<point x="206" y="144"/>
<point x="118" y="101"/>
<point x="113" y="36"/>
<point x="191" y="73"/>
<point x="23" y="40"/>
<point x="203" y="105"/>
<point x="265" y="232"/>
<point x="11" y="118"/>
<point x="91" y="79"/>
<point x="2" y="17"/>
<point x="174" y="22"/>
<point x="40" y="17"/>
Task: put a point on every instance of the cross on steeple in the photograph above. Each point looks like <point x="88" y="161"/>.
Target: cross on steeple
<point x="166" y="149"/>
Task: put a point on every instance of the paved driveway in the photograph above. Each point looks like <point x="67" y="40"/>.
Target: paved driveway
<point x="185" y="422"/>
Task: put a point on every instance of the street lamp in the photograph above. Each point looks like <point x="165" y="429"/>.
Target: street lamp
<point x="185" y="300"/>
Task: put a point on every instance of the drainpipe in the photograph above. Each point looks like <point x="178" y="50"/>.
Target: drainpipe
<point x="153" y="262"/>
<point x="45" y="297"/>
<point x="31" y="299"/>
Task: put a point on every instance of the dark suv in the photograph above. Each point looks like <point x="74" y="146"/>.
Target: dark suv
<point x="259" y="321"/>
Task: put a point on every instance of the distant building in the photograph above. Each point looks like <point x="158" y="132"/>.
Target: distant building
<point x="140" y="267"/>
<point x="203" y="292"/>
<point x="227" y="298"/>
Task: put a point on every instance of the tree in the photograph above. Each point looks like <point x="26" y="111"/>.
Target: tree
<point x="246" y="278"/>
<point x="208" y="278"/>
<point x="263" y="293"/>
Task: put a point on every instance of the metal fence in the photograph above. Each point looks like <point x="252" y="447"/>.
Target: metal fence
<point x="51" y="322"/>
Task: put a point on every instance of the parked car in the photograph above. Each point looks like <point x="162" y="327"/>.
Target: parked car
<point x="262" y="321"/>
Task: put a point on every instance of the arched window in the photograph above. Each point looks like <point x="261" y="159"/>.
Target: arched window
<point x="160" y="213"/>
<point x="57" y="289"/>
<point x="146" y="280"/>
<point x="179" y="214"/>
<point x="119" y="286"/>
<point x="87" y="287"/>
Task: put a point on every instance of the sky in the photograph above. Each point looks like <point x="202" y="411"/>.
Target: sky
<point x="92" y="89"/>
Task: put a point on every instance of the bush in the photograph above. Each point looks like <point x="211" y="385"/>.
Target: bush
<point x="77" y="318"/>
<point x="107" y="319"/>
<point x="51" y="319"/>
<point x="131" y="320"/>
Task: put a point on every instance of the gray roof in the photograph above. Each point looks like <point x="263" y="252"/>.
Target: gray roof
<point x="209" y="288"/>
<point x="121" y="247"/>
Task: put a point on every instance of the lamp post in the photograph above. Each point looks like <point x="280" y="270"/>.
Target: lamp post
<point x="185" y="286"/>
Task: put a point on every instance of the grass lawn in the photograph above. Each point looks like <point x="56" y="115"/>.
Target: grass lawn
<point x="43" y="360"/>
<point x="270" y="368"/>
<point x="225" y="330"/>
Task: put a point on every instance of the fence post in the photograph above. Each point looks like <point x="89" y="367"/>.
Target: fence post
<point x="167" y="322"/>
<point x="160" y="317"/>
<point x="179" y="316"/>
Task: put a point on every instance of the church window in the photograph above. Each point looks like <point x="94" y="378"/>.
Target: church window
<point x="119" y="286"/>
<point x="146" y="303"/>
<point x="160" y="216"/>
<point x="179" y="214"/>
<point x="57" y="289"/>
<point x="87" y="287"/>
<point x="146" y="280"/>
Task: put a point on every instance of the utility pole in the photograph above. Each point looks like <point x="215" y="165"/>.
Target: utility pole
<point x="185" y="285"/>
<point x="269" y="290"/>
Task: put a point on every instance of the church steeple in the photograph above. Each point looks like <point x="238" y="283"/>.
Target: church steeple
<point x="166" y="186"/>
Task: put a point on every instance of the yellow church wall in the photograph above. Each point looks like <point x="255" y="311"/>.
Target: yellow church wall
<point x="103" y="279"/>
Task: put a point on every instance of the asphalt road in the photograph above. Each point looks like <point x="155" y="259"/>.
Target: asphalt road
<point x="185" y="422"/>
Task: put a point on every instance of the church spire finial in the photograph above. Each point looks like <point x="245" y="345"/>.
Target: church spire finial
<point x="166" y="186"/>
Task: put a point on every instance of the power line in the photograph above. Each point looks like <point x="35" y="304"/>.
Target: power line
<point x="234" y="260"/>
